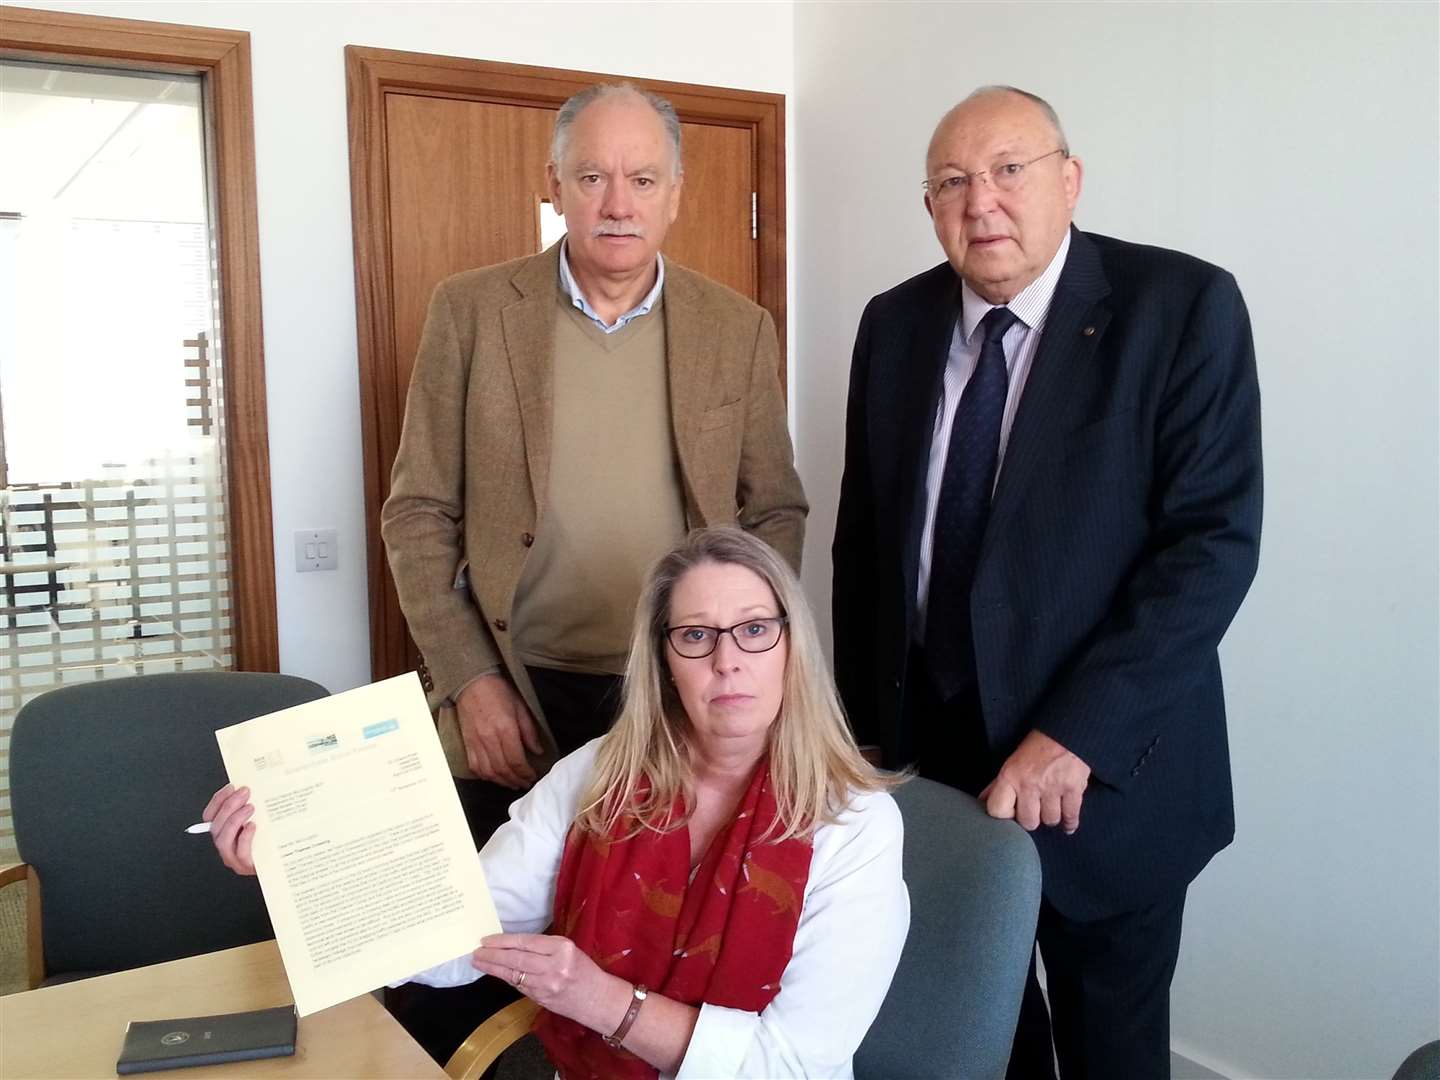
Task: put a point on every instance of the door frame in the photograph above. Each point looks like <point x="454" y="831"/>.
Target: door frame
<point x="222" y="59"/>
<point x="370" y="74"/>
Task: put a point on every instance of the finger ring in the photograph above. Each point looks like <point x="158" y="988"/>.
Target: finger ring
<point x="521" y="980"/>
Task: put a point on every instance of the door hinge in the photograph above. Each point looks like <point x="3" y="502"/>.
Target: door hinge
<point x="754" y="217"/>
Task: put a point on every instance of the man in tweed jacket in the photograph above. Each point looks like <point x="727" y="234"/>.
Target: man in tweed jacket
<point x="570" y="416"/>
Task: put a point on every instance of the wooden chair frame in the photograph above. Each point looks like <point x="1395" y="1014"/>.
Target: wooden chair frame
<point x="490" y="1039"/>
<point x="12" y="874"/>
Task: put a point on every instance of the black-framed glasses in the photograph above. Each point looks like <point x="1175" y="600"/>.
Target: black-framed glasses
<point x="1003" y="177"/>
<point x="752" y="636"/>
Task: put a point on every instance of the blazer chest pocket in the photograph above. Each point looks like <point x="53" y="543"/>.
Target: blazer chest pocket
<point x="722" y="415"/>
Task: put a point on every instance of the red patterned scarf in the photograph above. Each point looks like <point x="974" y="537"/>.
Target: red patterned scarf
<point x="723" y="938"/>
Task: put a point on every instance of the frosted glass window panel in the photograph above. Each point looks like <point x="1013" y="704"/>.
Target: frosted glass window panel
<point x="109" y="266"/>
<point x="113" y="554"/>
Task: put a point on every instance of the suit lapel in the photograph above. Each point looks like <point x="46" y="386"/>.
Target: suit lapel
<point x="529" y="325"/>
<point x="926" y="357"/>
<point x="1073" y="328"/>
<point x="690" y="337"/>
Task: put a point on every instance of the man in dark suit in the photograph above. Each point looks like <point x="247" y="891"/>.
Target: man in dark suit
<point x="1049" y="515"/>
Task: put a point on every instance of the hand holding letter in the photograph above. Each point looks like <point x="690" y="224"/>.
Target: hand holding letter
<point x="1040" y="783"/>
<point x="556" y="974"/>
<point x="231" y="831"/>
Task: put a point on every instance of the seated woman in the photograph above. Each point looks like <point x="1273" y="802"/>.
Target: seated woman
<point x="712" y="889"/>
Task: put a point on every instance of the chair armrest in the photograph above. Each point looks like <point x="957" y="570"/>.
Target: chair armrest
<point x="14" y="874"/>
<point x="488" y="1041"/>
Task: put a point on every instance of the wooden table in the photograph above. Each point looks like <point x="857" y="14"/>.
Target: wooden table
<point x="76" y="1029"/>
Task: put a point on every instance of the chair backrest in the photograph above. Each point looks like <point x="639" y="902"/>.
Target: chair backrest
<point x="1422" y="1064"/>
<point x="104" y="778"/>
<point x="974" y="886"/>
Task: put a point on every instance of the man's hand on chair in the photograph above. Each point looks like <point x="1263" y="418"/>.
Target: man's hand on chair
<point x="1041" y="783"/>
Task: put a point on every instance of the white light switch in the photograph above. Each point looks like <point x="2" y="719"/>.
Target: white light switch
<point x="315" y="549"/>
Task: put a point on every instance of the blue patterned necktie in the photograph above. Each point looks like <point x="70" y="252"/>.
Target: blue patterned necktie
<point x="964" y="509"/>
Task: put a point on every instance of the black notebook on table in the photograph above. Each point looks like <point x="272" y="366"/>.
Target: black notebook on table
<point x="151" y="1045"/>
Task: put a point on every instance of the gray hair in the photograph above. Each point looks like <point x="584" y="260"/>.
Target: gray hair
<point x="571" y="110"/>
<point x="1035" y="99"/>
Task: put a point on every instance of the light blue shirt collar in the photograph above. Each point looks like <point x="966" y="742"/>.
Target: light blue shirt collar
<point x="571" y="288"/>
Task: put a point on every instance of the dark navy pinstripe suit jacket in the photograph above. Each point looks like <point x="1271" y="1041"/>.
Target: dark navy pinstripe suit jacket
<point x="1124" y="533"/>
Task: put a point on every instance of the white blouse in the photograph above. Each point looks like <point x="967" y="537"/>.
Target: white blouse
<point x="853" y="922"/>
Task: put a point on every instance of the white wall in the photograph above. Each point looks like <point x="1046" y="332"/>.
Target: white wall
<point x="1297" y="146"/>
<point x="306" y="252"/>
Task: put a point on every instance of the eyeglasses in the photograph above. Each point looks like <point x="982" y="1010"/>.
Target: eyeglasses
<point x="752" y="636"/>
<point x="1004" y="177"/>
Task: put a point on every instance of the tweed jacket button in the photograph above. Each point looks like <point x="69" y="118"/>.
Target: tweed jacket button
<point x="527" y="538"/>
<point x="501" y="624"/>
<point x="1089" y="331"/>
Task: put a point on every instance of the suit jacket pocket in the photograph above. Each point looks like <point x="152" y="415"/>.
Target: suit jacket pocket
<point x="722" y="415"/>
<point x="1117" y="426"/>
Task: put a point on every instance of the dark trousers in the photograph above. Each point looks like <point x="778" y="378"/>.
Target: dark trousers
<point x="1109" y="988"/>
<point x="1109" y="980"/>
<point x="578" y="708"/>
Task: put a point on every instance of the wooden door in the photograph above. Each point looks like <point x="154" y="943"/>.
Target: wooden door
<point x="448" y="173"/>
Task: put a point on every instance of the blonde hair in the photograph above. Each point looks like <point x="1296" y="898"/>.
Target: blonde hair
<point x="815" y="766"/>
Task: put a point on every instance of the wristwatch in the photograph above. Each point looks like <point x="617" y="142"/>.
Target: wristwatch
<point x="638" y="993"/>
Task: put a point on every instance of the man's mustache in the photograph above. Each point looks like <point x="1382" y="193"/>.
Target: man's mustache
<point x="609" y="227"/>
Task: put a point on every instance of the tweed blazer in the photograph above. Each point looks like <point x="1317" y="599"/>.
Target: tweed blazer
<point x="468" y="489"/>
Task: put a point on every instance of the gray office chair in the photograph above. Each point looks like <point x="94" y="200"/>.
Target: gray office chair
<point x="974" y="897"/>
<point x="104" y="778"/>
<point x="974" y="887"/>
<point x="1422" y="1064"/>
